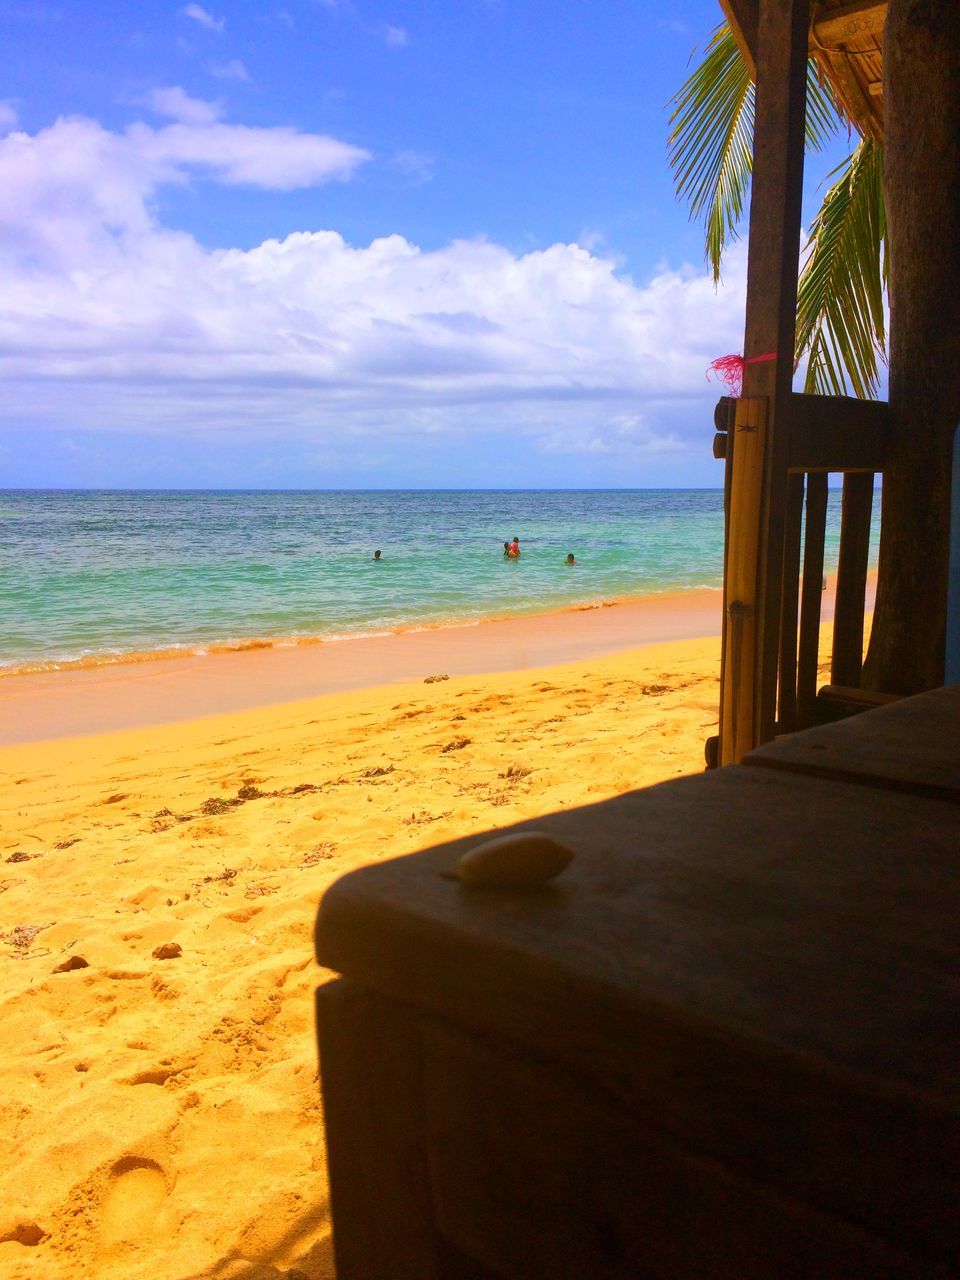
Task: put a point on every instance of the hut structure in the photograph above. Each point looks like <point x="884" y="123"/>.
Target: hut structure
<point x="780" y="445"/>
<point x="723" y="1042"/>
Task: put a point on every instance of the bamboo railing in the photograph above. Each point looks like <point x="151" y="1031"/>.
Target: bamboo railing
<point x="800" y="646"/>
<point x="825" y="436"/>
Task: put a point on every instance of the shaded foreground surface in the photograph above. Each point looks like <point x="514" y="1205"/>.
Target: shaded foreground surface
<point x="161" y="1113"/>
<point x="711" y="1048"/>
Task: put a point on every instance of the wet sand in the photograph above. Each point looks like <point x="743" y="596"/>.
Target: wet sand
<point x="127" y="695"/>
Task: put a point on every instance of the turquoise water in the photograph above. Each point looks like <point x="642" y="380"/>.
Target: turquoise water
<point x="95" y="576"/>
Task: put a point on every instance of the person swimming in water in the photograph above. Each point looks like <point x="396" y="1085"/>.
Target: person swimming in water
<point x="570" y="559"/>
<point x="376" y="555"/>
<point x="512" y="549"/>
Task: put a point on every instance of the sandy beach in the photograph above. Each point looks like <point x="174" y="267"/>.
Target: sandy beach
<point x="101" y="698"/>
<point x="162" y="1115"/>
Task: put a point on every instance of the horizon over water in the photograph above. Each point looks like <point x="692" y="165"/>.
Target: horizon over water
<point x="91" y="576"/>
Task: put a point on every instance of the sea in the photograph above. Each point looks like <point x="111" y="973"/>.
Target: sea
<point x="97" y="576"/>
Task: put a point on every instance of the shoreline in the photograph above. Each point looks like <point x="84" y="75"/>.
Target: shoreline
<point x="242" y="644"/>
<point x="37" y="706"/>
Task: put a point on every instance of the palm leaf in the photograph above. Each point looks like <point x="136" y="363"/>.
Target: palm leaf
<point x="823" y="113"/>
<point x="840" y="317"/>
<point x="711" y="139"/>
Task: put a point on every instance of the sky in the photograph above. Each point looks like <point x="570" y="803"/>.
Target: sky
<point x="353" y="244"/>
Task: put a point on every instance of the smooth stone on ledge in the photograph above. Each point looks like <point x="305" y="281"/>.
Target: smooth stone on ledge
<point x="521" y="861"/>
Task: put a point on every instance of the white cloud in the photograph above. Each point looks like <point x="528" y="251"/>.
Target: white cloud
<point x="108" y="317"/>
<point x="203" y="17"/>
<point x="279" y="158"/>
<point x="591" y="239"/>
<point x="396" y="37"/>
<point x="76" y="185"/>
<point x="414" y="165"/>
<point x="8" y="116"/>
<point x="177" y="104"/>
<point x="232" y="70"/>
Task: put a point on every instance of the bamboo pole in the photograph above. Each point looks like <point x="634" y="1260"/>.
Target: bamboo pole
<point x="737" y="685"/>
<point x="749" y="678"/>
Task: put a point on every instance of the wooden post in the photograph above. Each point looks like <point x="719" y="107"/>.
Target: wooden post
<point x="725" y="416"/>
<point x="748" y="711"/>
<point x="379" y="1185"/>
<point x="852" y="578"/>
<point x="921" y="103"/>
<point x="812" y="596"/>
<point x="787" y="713"/>
<point x="737" y="685"/>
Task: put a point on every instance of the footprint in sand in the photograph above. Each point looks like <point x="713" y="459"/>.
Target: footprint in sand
<point x="136" y="1189"/>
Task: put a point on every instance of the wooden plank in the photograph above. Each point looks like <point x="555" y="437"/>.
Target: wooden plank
<point x="742" y="17"/>
<point x="811" y="598"/>
<point x="852" y="579"/>
<point x="851" y="93"/>
<point x="787" y="712"/>
<point x="837" y="701"/>
<point x="835" y="27"/>
<point x="542" y="1178"/>
<point x="909" y="745"/>
<point x="837" y="433"/>
<point x="773" y="253"/>
<point x="739" y="655"/>
<point x="379" y="1188"/>
<point x="759" y="966"/>
<point x="711" y="748"/>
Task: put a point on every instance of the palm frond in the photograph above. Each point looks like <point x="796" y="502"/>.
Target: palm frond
<point x="840" y="317"/>
<point x="711" y="141"/>
<point x="823" y="113"/>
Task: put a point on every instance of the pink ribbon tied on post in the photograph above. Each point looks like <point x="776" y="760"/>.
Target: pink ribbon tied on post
<point x="729" y="369"/>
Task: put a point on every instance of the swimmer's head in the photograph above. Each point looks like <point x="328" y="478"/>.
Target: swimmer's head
<point x="570" y="559"/>
<point x="376" y="555"/>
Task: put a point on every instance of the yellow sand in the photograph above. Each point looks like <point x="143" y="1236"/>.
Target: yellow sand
<point x="162" y="1116"/>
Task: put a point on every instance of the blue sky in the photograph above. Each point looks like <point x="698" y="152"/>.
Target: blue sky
<point x="329" y="243"/>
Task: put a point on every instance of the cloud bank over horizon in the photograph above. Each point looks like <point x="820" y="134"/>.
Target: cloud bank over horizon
<point x="110" y="319"/>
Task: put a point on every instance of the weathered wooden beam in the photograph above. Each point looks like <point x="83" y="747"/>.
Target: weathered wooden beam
<point x="832" y="29"/>
<point x="835" y="27"/>
<point x="831" y="35"/>
<point x="840" y="702"/>
<point x="852" y="580"/>
<point x="748" y="711"/>
<point x="852" y="95"/>
<point x="787" y="711"/>
<point x="837" y="433"/>
<point x="921" y="72"/>
<point x="724" y="415"/>
<point x="372" y="1092"/>
<point x="740" y="604"/>
<point x="743" y="17"/>
<point x="811" y="597"/>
